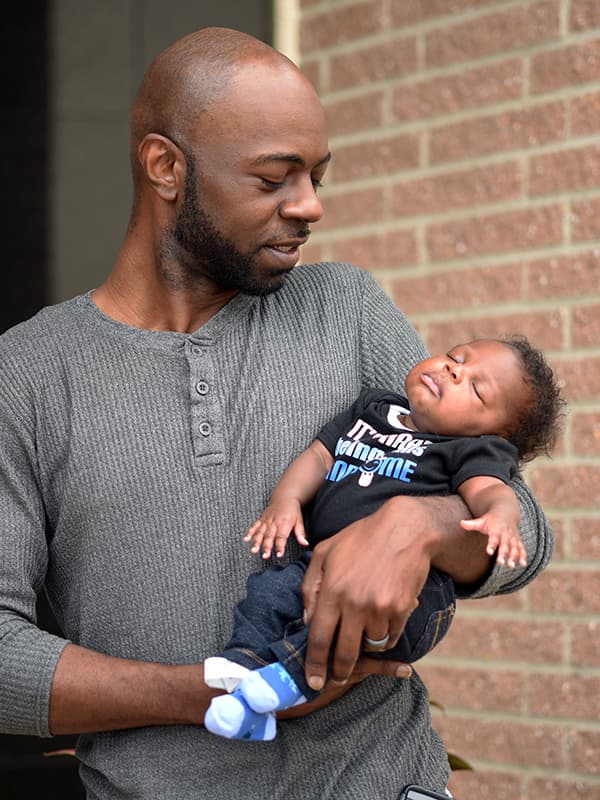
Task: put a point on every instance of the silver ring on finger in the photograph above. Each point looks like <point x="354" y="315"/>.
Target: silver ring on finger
<point x="377" y="643"/>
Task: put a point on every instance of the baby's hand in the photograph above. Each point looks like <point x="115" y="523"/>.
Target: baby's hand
<point x="503" y="537"/>
<point x="274" y="525"/>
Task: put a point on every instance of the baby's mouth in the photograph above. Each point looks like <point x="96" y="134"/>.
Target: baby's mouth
<point x="431" y="384"/>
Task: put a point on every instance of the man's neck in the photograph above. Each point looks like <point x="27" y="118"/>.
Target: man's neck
<point x="143" y="301"/>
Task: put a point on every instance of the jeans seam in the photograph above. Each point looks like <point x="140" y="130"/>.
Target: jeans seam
<point x="251" y="654"/>
<point x="441" y="617"/>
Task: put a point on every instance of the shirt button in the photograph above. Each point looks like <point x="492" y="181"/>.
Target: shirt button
<point x="196" y="349"/>
<point x="205" y="428"/>
<point x="202" y="387"/>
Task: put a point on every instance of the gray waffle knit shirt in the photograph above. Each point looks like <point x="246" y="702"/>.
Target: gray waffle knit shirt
<point x="131" y="464"/>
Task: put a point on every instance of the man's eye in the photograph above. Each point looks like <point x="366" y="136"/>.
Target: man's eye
<point x="317" y="183"/>
<point x="272" y="184"/>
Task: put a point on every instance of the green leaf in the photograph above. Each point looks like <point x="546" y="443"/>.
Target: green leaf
<point x="456" y="762"/>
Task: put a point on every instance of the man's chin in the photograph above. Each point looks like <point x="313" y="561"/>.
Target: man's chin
<point x="261" y="288"/>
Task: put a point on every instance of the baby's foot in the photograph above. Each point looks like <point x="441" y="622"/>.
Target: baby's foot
<point x="270" y="688"/>
<point x="230" y="716"/>
<point x="220" y="673"/>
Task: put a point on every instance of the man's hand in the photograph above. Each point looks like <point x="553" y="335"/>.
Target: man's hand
<point x="333" y="691"/>
<point x="364" y="581"/>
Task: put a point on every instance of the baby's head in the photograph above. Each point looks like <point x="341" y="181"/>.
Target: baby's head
<point x="537" y="424"/>
<point x="488" y="386"/>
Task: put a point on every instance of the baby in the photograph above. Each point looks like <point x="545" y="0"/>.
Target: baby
<point x="469" y="417"/>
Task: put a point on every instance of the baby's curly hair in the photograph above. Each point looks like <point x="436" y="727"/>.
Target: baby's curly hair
<point x="538" y="425"/>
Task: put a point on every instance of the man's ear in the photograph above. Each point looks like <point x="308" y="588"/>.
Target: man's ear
<point x="163" y="164"/>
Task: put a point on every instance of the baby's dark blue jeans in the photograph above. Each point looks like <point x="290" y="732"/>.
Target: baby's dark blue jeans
<point x="268" y="622"/>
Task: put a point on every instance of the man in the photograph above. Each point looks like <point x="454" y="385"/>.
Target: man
<point x="143" y="427"/>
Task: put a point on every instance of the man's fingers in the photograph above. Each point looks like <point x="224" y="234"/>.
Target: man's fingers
<point x="376" y="666"/>
<point x="311" y="584"/>
<point x="322" y="632"/>
<point x="377" y="642"/>
<point x="347" y="648"/>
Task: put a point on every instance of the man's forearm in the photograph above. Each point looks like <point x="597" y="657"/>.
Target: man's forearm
<point x="459" y="553"/>
<point x="92" y="692"/>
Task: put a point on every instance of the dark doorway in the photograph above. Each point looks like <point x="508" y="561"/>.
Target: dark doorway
<point x="26" y="91"/>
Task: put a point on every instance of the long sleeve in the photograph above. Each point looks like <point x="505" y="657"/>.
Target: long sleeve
<point x="28" y="656"/>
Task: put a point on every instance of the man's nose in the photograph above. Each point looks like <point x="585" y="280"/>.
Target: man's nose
<point x="304" y="204"/>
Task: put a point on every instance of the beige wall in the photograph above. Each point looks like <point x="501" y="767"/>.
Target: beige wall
<point x="99" y="53"/>
<point x="466" y="176"/>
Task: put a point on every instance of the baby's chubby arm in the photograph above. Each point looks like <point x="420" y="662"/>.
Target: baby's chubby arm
<point x="297" y="486"/>
<point x="496" y="514"/>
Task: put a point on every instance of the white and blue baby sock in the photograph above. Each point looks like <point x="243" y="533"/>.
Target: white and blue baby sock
<point x="230" y="716"/>
<point x="249" y="712"/>
<point x="270" y="688"/>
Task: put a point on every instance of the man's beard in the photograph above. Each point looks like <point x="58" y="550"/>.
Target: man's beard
<point x="201" y="251"/>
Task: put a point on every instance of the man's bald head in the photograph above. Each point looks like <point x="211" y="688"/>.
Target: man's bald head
<point x="187" y="77"/>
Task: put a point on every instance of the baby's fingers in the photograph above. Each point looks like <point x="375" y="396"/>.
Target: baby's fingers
<point x="517" y="553"/>
<point x="268" y="538"/>
<point x="480" y="524"/>
<point x="250" y="533"/>
<point x="281" y="541"/>
<point x="492" y="546"/>
<point x="257" y="538"/>
<point x="300" y="533"/>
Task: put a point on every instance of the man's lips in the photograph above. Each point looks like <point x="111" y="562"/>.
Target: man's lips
<point x="431" y="384"/>
<point x="287" y="252"/>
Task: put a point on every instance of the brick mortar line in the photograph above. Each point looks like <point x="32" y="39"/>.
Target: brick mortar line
<point x="441" y="121"/>
<point x="423" y="27"/>
<point x="454" y="69"/>
<point x="491" y="715"/>
<point x="505" y="309"/>
<point x="581" y="459"/>
<point x="499" y="668"/>
<point x="587" y="406"/>
<point x="555" y="355"/>
<point x="505" y="672"/>
<point x="587" y="566"/>
<point x="534" y="772"/>
<point x="569" y="460"/>
<point x="527" y="615"/>
<point x="566" y="304"/>
<point x="501" y="311"/>
<point x="523" y="103"/>
<point x="476" y="211"/>
<point x="564" y="17"/>
<point x="483" y="260"/>
<point x="435" y="268"/>
<point x="317" y="10"/>
<point x="501" y="307"/>
<point x="525" y="51"/>
<point x="462" y="165"/>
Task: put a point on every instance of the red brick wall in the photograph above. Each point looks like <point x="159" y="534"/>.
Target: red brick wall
<point x="466" y="176"/>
